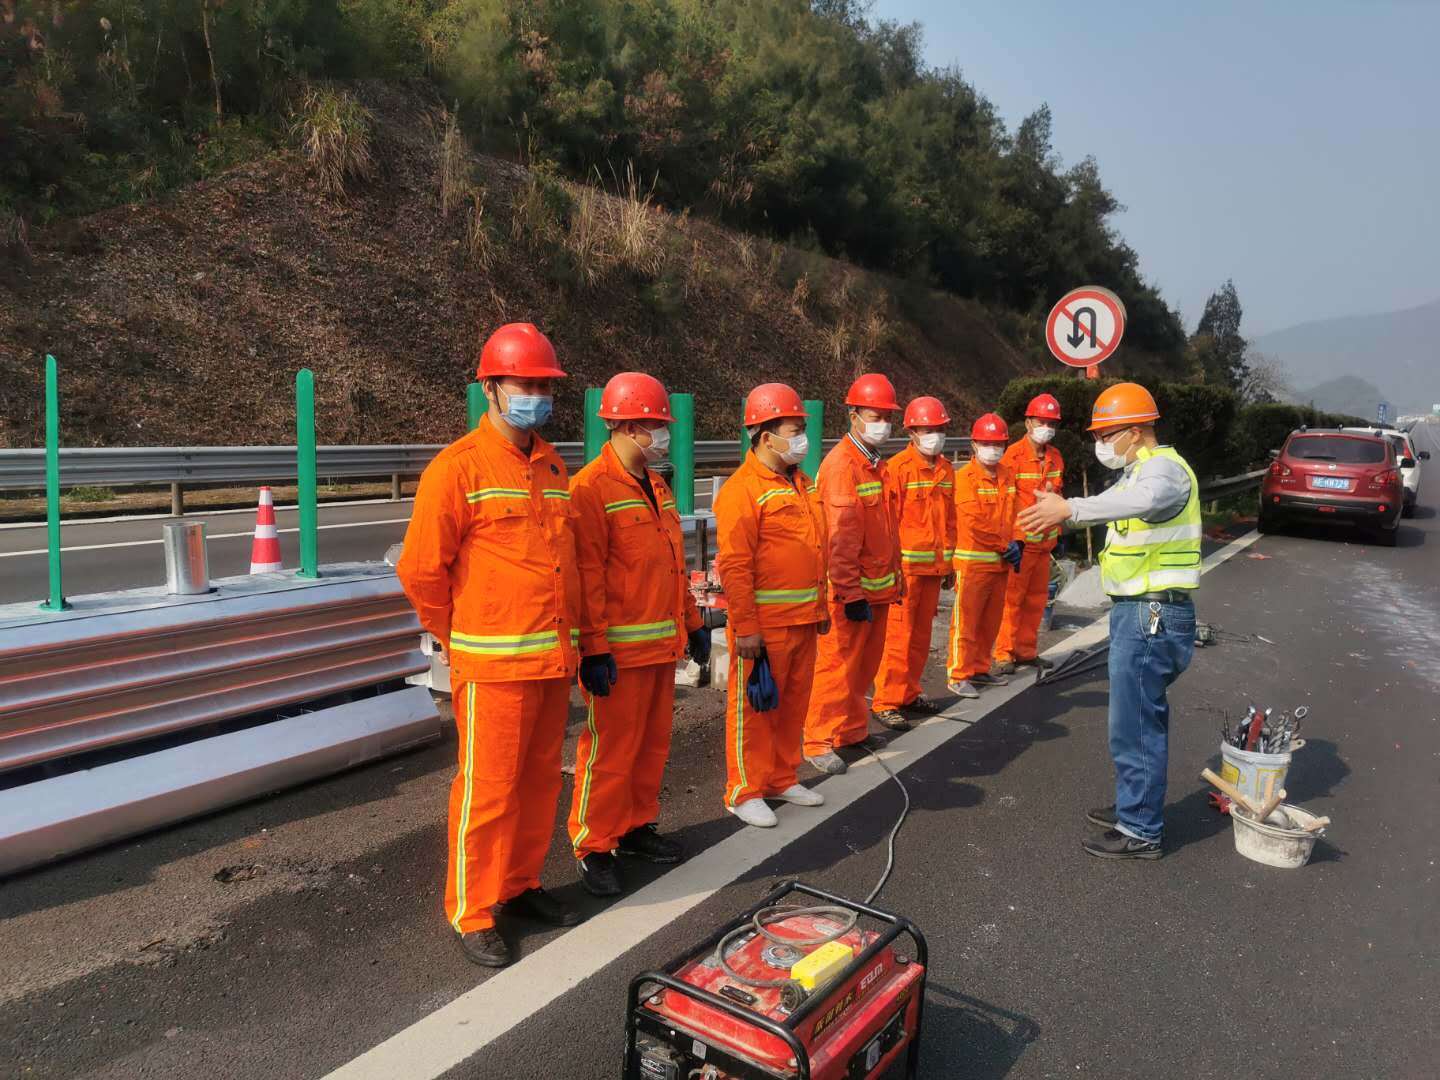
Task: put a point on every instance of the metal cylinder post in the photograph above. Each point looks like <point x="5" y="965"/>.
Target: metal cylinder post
<point x="187" y="566"/>
<point x="305" y="470"/>
<point x="595" y="433"/>
<point x="395" y="492"/>
<point x="815" y="431"/>
<point x="177" y="499"/>
<point x="56" y="600"/>
<point x="475" y="404"/>
<point x="682" y="450"/>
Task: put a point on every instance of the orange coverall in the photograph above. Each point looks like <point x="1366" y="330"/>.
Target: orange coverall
<point x="984" y="527"/>
<point x="1028" y="590"/>
<point x="635" y="604"/>
<point x="489" y="565"/>
<point x="771" y="539"/>
<point x="926" y="495"/>
<point x="864" y="555"/>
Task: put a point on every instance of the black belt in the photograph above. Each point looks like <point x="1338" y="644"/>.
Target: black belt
<point x="1164" y="596"/>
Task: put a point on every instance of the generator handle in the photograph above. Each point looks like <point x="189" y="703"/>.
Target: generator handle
<point x="715" y="1001"/>
<point x="905" y="925"/>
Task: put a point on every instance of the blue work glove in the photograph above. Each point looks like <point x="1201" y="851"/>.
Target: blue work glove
<point x="699" y="642"/>
<point x="858" y="611"/>
<point x="1013" y="554"/>
<point x="598" y="673"/>
<point x="760" y="688"/>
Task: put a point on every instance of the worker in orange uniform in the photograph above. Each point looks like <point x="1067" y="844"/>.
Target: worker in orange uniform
<point x="771" y="538"/>
<point x="636" y="619"/>
<point x="489" y="564"/>
<point x="924" y="482"/>
<point x="1036" y="466"/>
<point x="861" y="513"/>
<point x="985" y="554"/>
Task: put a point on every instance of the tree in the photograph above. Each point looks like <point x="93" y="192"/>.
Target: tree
<point x="1217" y="346"/>
<point x="1266" y="380"/>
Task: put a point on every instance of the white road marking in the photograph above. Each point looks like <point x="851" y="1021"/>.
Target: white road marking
<point x="216" y="536"/>
<point x="448" y="1036"/>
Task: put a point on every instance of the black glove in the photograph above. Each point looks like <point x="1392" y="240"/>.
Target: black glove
<point x="1014" y="553"/>
<point x="760" y="688"/>
<point x="598" y="673"/>
<point x="858" y="611"/>
<point x="699" y="642"/>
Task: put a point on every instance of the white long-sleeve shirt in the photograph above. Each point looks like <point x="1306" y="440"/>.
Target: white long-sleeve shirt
<point x="1160" y="491"/>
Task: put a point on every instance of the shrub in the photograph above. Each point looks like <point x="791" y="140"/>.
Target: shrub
<point x="91" y="494"/>
<point x="1198" y="420"/>
<point x="335" y="134"/>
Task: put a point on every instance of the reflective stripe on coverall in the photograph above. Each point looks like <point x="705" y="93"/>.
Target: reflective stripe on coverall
<point x="1029" y="590"/>
<point x="984" y="527"/>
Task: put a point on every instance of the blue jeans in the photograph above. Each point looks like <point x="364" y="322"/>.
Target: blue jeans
<point x="1142" y="667"/>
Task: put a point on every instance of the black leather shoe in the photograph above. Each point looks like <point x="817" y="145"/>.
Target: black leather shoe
<point x="892" y="719"/>
<point x="539" y="905"/>
<point x="923" y="706"/>
<point x="1104" y="816"/>
<point x="646" y="842"/>
<point x="600" y="875"/>
<point x="1113" y="844"/>
<point x="485" y="947"/>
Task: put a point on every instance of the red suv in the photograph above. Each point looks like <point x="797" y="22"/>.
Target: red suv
<point x="1334" y="476"/>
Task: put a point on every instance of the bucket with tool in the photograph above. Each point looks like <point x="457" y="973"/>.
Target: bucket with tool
<point x="1268" y="830"/>
<point x="1258" y="751"/>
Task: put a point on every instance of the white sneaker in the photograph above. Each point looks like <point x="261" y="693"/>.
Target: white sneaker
<point x="964" y="689"/>
<point x="755" y="812"/>
<point x="801" y="795"/>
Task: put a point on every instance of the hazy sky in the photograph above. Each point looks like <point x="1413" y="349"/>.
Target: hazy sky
<point x="1293" y="145"/>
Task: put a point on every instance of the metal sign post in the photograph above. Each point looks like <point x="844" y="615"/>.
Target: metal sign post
<point x="56" y="601"/>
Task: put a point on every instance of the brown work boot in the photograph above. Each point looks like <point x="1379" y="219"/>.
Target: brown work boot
<point x="892" y="719"/>
<point x="1002" y="667"/>
<point x="485" y="947"/>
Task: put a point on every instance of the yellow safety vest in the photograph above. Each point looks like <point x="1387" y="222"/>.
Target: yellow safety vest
<point x="1142" y="556"/>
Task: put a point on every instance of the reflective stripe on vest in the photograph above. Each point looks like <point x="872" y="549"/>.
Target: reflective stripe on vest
<point x="1142" y="556"/>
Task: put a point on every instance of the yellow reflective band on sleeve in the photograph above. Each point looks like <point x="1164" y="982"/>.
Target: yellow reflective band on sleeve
<point x="496" y="493"/>
<point x="921" y="485"/>
<point x="668" y="504"/>
<point x="556" y="493"/>
<point x="946" y="485"/>
<point x="625" y="504"/>
<point x="507" y="644"/>
<point x="878" y="583"/>
<point x="917" y="556"/>
<point x="870" y="487"/>
<point x="1053" y="475"/>
<point x="633" y="632"/>
<point x="786" y="596"/>
<point x="987" y="491"/>
<point x="977" y="556"/>
<point x="949" y="554"/>
<point x="1029" y="476"/>
<point x="773" y="493"/>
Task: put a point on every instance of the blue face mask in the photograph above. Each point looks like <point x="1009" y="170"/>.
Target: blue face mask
<point x="526" y="412"/>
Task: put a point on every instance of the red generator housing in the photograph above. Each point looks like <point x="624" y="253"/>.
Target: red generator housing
<point x="694" y="1021"/>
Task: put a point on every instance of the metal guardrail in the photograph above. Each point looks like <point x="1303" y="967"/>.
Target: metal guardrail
<point x="1231" y="485"/>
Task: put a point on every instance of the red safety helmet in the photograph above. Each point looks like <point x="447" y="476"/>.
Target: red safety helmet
<point x="990" y="428"/>
<point x="772" y="401"/>
<point x="926" y="412"/>
<point x="520" y="350"/>
<point x="1043" y="407"/>
<point x="633" y="395"/>
<point x="873" y="391"/>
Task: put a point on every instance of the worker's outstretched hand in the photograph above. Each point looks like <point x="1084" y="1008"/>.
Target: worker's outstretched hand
<point x="1049" y="511"/>
<point x="858" y="611"/>
<point x="598" y="673"/>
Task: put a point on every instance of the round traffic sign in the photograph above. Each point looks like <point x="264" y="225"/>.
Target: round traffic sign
<point x="1085" y="327"/>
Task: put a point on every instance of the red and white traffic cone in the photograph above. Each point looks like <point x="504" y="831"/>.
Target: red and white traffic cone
<point x="265" y="551"/>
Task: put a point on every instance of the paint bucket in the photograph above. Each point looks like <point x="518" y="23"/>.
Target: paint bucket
<point x="1279" y="840"/>
<point x="1249" y="771"/>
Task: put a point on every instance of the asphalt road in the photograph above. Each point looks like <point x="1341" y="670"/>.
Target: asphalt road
<point x="289" y="936"/>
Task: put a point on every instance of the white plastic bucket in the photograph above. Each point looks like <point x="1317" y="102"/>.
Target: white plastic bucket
<point x="1277" y="841"/>
<point x="1249" y="771"/>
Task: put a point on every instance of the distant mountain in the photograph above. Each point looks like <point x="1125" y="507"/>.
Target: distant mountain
<point x="1348" y="394"/>
<point x="1398" y="351"/>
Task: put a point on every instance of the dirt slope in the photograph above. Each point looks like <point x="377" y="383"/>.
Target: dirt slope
<point x="183" y="321"/>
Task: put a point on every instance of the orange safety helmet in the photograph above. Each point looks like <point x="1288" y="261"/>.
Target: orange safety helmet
<point x="1123" y="405"/>
<point x="1043" y="407"/>
<point x="926" y="412"/>
<point x="990" y="428"/>
<point x="772" y="401"/>
<point x="520" y="350"/>
<point x="633" y="395"/>
<point x="873" y="391"/>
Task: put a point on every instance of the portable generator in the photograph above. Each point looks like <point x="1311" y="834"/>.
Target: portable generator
<point x="784" y="992"/>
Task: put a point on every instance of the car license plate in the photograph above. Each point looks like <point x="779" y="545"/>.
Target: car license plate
<point x="1332" y="483"/>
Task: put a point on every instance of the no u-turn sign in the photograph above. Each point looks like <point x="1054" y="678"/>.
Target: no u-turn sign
<point x="1085" y="327"/>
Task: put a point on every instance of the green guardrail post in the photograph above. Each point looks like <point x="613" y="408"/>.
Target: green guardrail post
<point x="596" y="434"/>
<point x="475" y="404"/>
<point x="682" y="450"/>
<point x="305" y="469"/>
<point x="744" y="433"/>
<point x="56" y="601"/>
<point x="815" y="430"/>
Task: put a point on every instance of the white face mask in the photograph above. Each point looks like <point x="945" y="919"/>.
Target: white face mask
<point x="989" y="455"/>
<point x="797" y="446"/>
<point x="1042" y="435"/>
<point x="1107" y="455"/>
<point x="659" y="444"/>
<point x="930" y="443"/>
<point x="876" y="432"/>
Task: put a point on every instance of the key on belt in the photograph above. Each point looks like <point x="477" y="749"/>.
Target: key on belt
<point x="1154" y="617"/>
